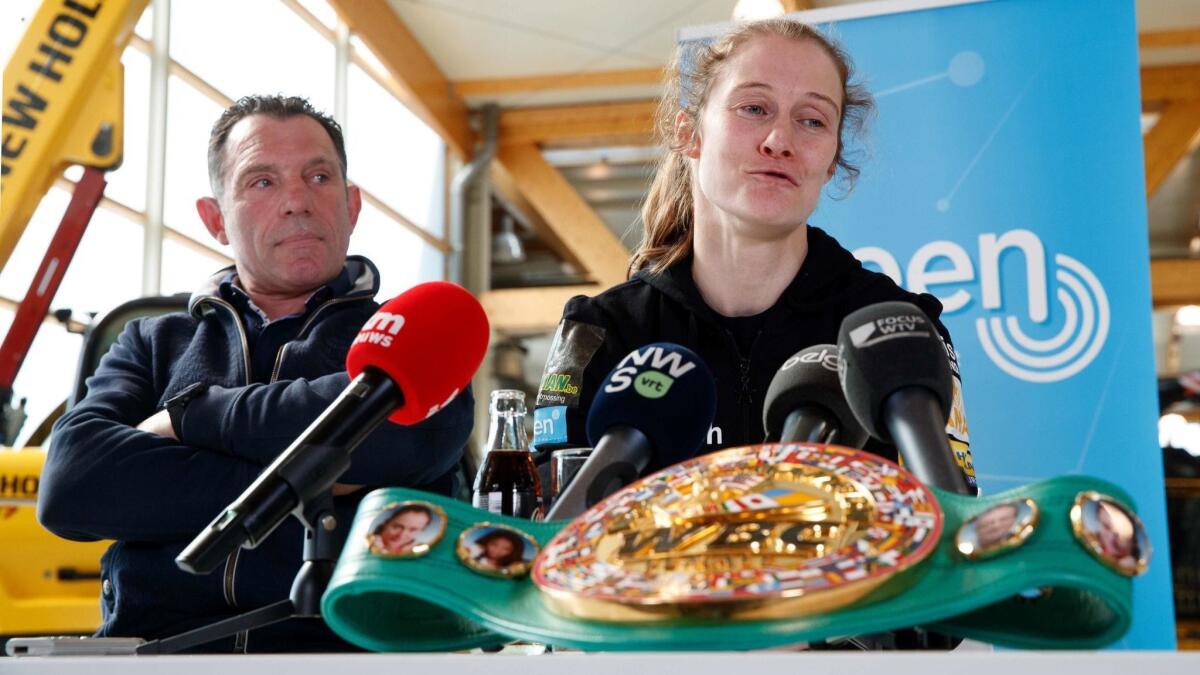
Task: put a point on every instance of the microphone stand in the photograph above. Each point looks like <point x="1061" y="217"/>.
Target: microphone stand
<point x="321" y="548"/>
<point x="299" y="483"/>
<point x="917" y="428"/>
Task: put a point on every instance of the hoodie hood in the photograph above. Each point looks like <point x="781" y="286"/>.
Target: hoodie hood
<point x="828" y="277"/>
<point x="364" y="278"/>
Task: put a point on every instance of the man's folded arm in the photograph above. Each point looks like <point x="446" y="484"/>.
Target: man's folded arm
<point x="104" y="479"/>
<point x="259" y="421"/>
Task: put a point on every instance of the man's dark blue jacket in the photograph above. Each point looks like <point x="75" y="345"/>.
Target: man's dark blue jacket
<point x="104" y="479"/>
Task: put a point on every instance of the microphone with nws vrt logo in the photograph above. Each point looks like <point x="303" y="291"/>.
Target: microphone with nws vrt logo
<point x="896" y="376"/>
<point x="409" y="360"/>
<point x="805" y="404"/>
<point x="653" y="410"/>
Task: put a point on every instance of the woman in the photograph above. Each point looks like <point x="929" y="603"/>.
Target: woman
<point x="499" y="549"/>
<point x="397" y="534"/>
<point x="728" y="265"/>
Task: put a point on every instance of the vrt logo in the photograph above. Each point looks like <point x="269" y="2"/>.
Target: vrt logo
<point x="1084" y="304"/>
<point x="651" y="382"/>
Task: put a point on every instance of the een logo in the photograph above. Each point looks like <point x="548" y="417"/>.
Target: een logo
<point x="1082" y="302"/>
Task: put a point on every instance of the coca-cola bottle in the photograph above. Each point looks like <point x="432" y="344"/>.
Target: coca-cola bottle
<point x="507" y="481"/>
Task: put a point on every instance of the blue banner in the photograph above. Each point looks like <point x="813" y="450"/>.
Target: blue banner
<point x="1004" y="174"/>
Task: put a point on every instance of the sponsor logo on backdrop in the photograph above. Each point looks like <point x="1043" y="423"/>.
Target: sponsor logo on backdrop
<point x="1081" y="307"/>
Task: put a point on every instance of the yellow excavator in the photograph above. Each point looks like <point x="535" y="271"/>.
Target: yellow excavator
<point x="62" y="105"/>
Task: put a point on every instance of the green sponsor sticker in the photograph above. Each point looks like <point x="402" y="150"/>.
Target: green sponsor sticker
<point x="653" y="384"/>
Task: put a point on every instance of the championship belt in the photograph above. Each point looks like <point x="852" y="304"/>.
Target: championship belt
<point x="746" y="548"/>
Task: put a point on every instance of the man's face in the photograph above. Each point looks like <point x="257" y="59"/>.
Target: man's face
<point x="995" y="524"/>
<point x="286" y="210"/>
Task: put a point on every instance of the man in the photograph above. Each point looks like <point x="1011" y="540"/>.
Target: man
<point x="186" y="410"/>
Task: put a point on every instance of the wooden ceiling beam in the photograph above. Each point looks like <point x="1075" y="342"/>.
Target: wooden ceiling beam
<point x="603" y="257"/>
<point x="559" y="81"/>
<point x="524" y="311"/>
<point x="1175" y="281"/>
<point x="425" y="90"/>
<point x="1177" y="130"/>
<point x="790" y="6"/>
<point x="1180" y="37"/>
<point x="624" y="123"/>
<point x="1170" y="83"/>
<point x="506" y="191"/>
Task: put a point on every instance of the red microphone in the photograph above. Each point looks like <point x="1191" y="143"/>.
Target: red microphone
<point x="403" y="339"/>
<point x="409" y="360"/>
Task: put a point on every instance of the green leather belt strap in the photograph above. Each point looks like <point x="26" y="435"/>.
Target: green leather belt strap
<point x="434" y="602"/>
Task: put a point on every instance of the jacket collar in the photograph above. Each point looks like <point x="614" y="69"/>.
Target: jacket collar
<point x="364" y="279"/>
<point x="823" y="278"/>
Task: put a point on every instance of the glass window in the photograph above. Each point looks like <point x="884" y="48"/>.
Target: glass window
<point x="321" y="9"/>
<point x="185" y="269"/>
<point x="107" y="264"/>
<point x="362" y="51"/>
<point x="403" y="258"/>
<point x="48" y="374"/>
<point x="22" y="265"/>
<point x="190" y="116"/>
<point x="253" y="48"/>
<point x="128" y="183"/>
<point x="107" y="269"/>
<point x="145" y="24"/>
<point x="14" y="19"/>
<point x="393" y="154"/>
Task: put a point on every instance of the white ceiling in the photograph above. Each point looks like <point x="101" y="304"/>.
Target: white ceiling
<point x="470" y="39"/>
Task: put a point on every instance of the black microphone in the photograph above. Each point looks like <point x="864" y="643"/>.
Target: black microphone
<point x="653" y="410"/>
<point x="896" y="377"/>
<point x="805" y="402"/>
<point x="396" y="374"/>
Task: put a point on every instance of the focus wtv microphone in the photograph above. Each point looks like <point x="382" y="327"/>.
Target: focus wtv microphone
<point x="896" y="377"/>
<point x="653" y="410"/>
<point x="805" y="402"/>
<point x="410" y="359"/>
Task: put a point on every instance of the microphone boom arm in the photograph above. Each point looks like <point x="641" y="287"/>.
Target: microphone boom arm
<point x="304" y="472"/>
<point x="912" y="418"/>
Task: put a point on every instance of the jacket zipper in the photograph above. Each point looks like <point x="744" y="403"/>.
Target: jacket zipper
<point x="303" y="329"/>
<point x="744" y="397"/>
<point x="230" y="576"/>
<point x="228" y="579"/>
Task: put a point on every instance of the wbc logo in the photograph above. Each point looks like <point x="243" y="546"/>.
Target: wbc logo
<point x="1082" y="313"/>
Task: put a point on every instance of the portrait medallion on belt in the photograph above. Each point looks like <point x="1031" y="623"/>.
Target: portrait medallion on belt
<point x="1111" y="532"/>
<point x="999" y="529"/>
<point x="406" y="529"/>
<point x="747" y="533"/>
<point x="496" y="550"/>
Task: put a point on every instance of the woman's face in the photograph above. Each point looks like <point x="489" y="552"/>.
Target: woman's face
<point x="498" y="549"/>
<point x="401" y="531"/>
<point x="767" y="137"/>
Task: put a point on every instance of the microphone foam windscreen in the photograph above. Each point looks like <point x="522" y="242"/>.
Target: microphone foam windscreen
<point x="885" y="347"/>
<point x="429" y="340"/>
<point x="810" y="378"/>
<point x="664" y="391"/>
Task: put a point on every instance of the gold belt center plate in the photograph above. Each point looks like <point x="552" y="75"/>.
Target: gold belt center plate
<point x="753" y="532"/>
